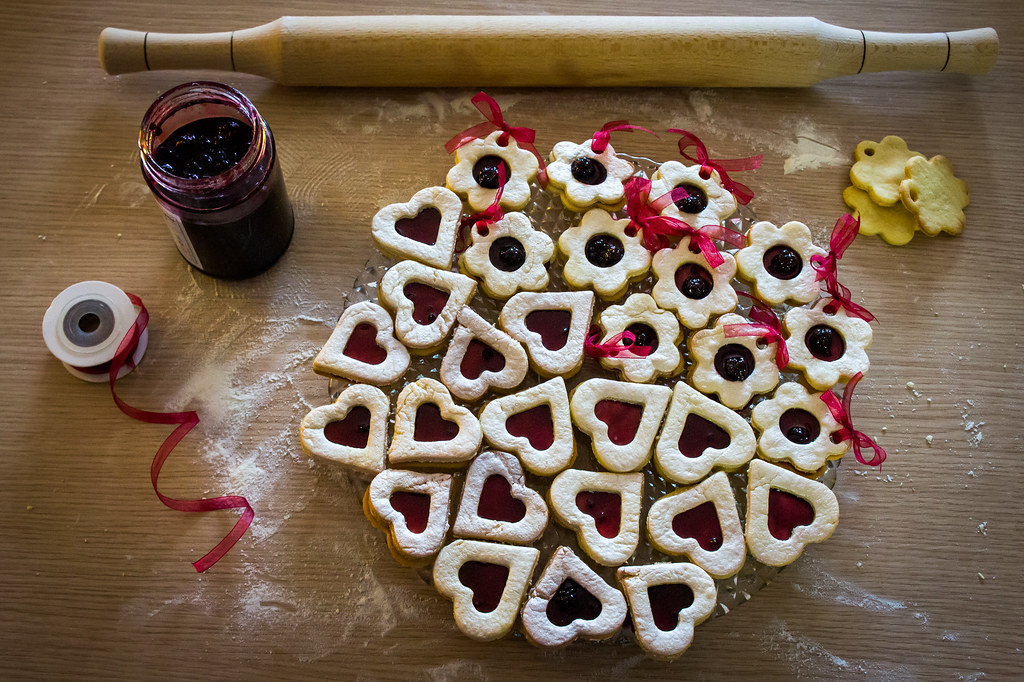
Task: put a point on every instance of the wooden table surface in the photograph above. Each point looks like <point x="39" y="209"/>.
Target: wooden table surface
<point x="922" y="580"/>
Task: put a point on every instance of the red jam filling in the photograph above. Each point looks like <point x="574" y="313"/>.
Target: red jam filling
<point x="535" y="425"/>
<point x="588" y="171"/>
<point x="606" y="508"/>
<point x="786" y="511"/>
<point x="799" y="426"/>
<point x="487" y="581"/>
<point x="421" y="228"/>
<point x="694" y="281"/>
<point x="734" y="362"/>
<point x="604" y="250"/>
<point x="552" y="325"/>
<point x="204" y="148"/>
<point x="353" y="430"/>
<point x="497" y="503"/>
<point x="666" y="603"/>
<point x="825" y="342"/>
<point x="430" y="426"/>
<point x="362" y="345"/>
<point x="782" y="262"/>
<point x="644" y="335"/>
<point x="427" y="302"/>
<point x="486" y="171"/>
<point x="695" y="201"/>
<point x="507" y="254"/>
<point x="415" y="507"/>
<point x="570" y="602"/>
<point x="480" y="358"/>
<point x="701" y="524"/>
<point x="699" y="434"/>
<point x="623" y="419"/>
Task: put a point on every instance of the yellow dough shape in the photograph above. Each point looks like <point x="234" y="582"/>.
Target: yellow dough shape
<point x="879" y="168"/>
<point x="936" y="195"/>
<point x="895" y="224"/>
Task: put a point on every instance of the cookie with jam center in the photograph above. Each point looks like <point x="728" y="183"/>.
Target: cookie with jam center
<point x="733" y="368"/>
<point x="351" y="431"/>
<point x="426" y="301"/>
<point x="508" y="256"/>
<point x="423" y="228"/>
<point x="796" y="427"/>
<point x="826" y="347"/>
<point x="363" y="347"/>
<point x="776" y="261"/>
<point x="481" y="357"/>
<point x="652" y="327"/>
<point x="688" y="285"/>
<point x="497" y="504"/>
<point x="430" y="428"/>
<point x="707" y="203"/>
<point x="412" y="509"/>
<point x="553" y="326"/>
<point x="603" y="509"/>
<point x="586" y="179"/>
<point x="476" y="175"/>
<point x="603" y="253"/>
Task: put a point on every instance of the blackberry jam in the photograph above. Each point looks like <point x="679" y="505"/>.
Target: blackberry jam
<point x="211" y="162"/>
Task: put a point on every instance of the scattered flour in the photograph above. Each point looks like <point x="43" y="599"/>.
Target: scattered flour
<point x="823" y="585"/>
<point x="809" y="659"/>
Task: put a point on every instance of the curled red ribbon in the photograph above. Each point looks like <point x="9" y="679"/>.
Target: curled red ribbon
<point x="618" y="346"/>
<point x="842" y="413"/>
<point x="742" y="193"/>
<point x="186" y="421"/>
<point x="766" y="326"/>
<point x="602" y="137"/>
<point x="826" y="267"/>
<point x="488" y="216"/>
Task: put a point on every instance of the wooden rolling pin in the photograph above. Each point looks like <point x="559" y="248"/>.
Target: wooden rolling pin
<point x="486" y="51"/>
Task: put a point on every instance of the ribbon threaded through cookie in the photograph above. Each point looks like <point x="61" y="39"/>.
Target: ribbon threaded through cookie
<point x="618" y="346"/>
<point x="841" y="412"/>
<point x="827" y="269"/>
<point x="742" y="193"/>
<point x="488" y="216"/>
<point x="766" y="326"/>
<point x="602" y="137"/>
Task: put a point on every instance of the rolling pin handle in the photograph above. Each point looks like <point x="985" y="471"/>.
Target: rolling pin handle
<point x="124" y="51"/>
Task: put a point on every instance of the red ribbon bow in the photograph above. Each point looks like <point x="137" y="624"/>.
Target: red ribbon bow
<point x="826" y="267"/>
<point x="742" y="193"/>
<point x="603" y="136"/>
<point x="618" y="346"/>
<point x="766" y="326"/>
<point x="842" y="414"/>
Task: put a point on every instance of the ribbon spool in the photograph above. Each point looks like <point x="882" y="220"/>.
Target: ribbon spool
<point x="84" y="325"/>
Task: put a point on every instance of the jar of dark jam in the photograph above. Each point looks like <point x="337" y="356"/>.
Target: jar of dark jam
<point x="210" y="159"/>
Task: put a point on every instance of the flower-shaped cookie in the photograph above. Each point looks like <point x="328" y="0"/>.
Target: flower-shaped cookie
<point x="708" y="201"/>
<point x="422" y="228"/>
<point x="476" y="175"/>
<point x="687" y="284"/>
<point x="508" y="256"/>
<point x="604" y="254"/>
<point x="585" y="178"/>
<point x="734" y="368"/>
<point x="777" y="262"/>
<point x="935" y="195"/>
<point x="350" y="431"/>
<point x="895" y="224"/>
<point x="828" y="347"/>
<point x="797" y="427"/>
<point x="652" y="327"/>
<point x="878" y="168"/>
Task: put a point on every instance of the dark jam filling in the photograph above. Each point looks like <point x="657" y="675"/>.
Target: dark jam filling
<point x="643" y="335"/>
<point x="362" y="345"/>
<point x="694" y="281"/>
<point x="497" y="503"/>
<point x="734" y="362"/>
<point x="552" y="325"/>
<point x="666" y="603"/>
<point x="487" y="581"/>
<point x="427" y="302"/>
<point x="799" y="426"/>
<point x="204" y="148"/>
<point x="786" y="511"/>
<point x="701" y="524"/>
<point x="588" y="171"/>
<point x="605" y="508"/>
<point x="486" y="174"/>
<point x="622" y="419"/>
<point x="431" y="427"/>
<point x="604" y="250"/>
<point x="422" y="228"/>
<point x="507" y="254"/>
<point x="535" y="425"/>
<point x="353" y="431"/>
<point x="699" y="434"/>
<point x="782" y="262"/>
<point x="414" y="507"/>
<point x="825" y="342"/>
<point x="696" y="202"/>
<point x="570" y="602"/>
<point x="480" y="358"/>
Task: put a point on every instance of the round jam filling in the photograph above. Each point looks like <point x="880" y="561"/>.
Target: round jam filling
<point x="605" y="508"/>
<point x="551" y="325"/>
<point x="487" y="581"/>
<point x="696" y="202"/>
<point x="486" y="173"/>
<point x="825" y="342"/>
<point x="362" y="345"/>
<point x="786" y="511"/>
<point x="666" y="603"/>
<point x="353" y="431"/>
<point x="427" y="302"/>
<point x="588" y="171"/>
<point x="643" y="335"/>
<point x="782" y="262"/>
<point x="694" y="281"/>
<point x="507" y="254"/>
<point x="480" y="358"/>
<point x="423" y="227"/>
<point x="734" y="362"/>
<point x="414" y="507"/>
<point x="570" y="602"/>
<point x="622" y="419"/>
<point x="429" y="426"/>
<point x="699" y="434"/>
<point x="204" y="148"/>
<point x="701" y="524"/>
<point x="535" y="425"/>
<point x="799" y="426"/>
<point x="497" y="503"/>
<point x="604" y="250"/>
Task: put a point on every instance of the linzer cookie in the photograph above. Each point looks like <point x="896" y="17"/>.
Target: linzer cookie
<point x="553" y="326"/>
<point x="351" y="431"/>
<point x="430" y="428"/>
<point x="476" y="175"/>
<point x="422" y="228"/>
<point x="777" y="263"/>
<point x="481" y="357"/>
<point x="363" y="348"/>
<point x="651" y="328"/>
<point x="412" y="508"/>
<point x="508" y="256"/>
<point x="706" y="201"/>
<point x="689" y="286"/>
<point x="797" y="427"/>
<point x="734" y="368"/>
<point x="827" y="346"/>
<point x="535" y="425"/>
<point x="588" y="175"/>
<point x="878" y="168"/>
<point x="497" y="504"/>
<point x="935" y="195"/>
<point x="603" y="253"/>
<point x="603" y="509"/>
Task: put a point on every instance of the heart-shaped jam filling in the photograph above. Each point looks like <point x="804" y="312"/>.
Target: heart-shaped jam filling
<point x="694" y="281"/>
<point x="799" y="426"/>
<point x="487" y="581"/>
<point x="604" y="507"/>
<point x="734" y="362"/>
<point x="497" y="503"/>
<point x="423" y="227"/>
<point x="535" y="425"/>
<point x="699" y="434"/>
<point x="588" y="171"/>
<point x="825" y="342"/>
<point x="701" y="524"/>
<point x="507" y="254"/>
<point x="362" y="345"/>
<point x="551" y="325"/>
<point x="666" y="603"/>
<point x="430" y="426"/>
<point x="352" y="431"/>
<point x="643" y="335"/>
<point x="786" y="511"/>
<point x="604" y="250"/>
<point x="486" y="171"/>
<point x="427" y="302"/>
<point x="782" y="262"/>
<point x="480" y="358"/>
<point x="695" y="201"/>
<point x="570" y="602"/>
<point x="623" y="419"/>
<point x="414" y="507"/>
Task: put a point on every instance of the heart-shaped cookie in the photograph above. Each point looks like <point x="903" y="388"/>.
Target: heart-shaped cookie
<point x="426" y="301"/>
<point x="363" y="348"/>
<point x="604" y="510"/>
<point x="412" y="508"/>
<point x="533" y="424"/>
<point x="423" y="228"/>
<point x="553" y="326"/>
<point x="351" y="431"/>
<point x="481" y="357"/>
<point x="497" y="504"/>
<point x="430" y="428"/>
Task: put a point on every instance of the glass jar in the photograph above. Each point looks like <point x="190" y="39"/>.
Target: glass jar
<point x="232" y="218"/>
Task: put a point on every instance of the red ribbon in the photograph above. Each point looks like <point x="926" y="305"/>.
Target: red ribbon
<point x="186" y="421"/>
<point x="488" y="216"/>
<point x="603" y="136"/>
<point x="524" y="137"/>
<point x="618" y="346"/>
<point x="842" y="414"/>
<point x="766" y="326"/>
<point x="826" y="267"/>
<point x="742" y="193"/>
